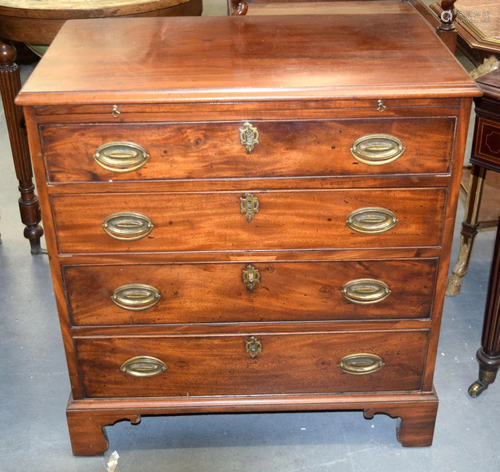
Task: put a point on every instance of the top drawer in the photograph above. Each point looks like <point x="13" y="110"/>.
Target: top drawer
<point x="103" y="152"/>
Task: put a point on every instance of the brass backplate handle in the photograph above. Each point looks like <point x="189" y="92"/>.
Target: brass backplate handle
<point x="249" y="137"/>
<point x="361" y="364"/>
<point x="253" y="347"/>
<point x="121" y="157"/>
<point x="251" y="277"/>
<point x="127" y="226"/>
<point x="372" y="220"/>
<point x="136" y="297"/>
<point x="249" y="205"/>
<point x="365" y="291"/>
<point x="144" y="366"/>
<point x="377" y="149"/>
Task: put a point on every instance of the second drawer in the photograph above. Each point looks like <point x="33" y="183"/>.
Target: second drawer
<point x="260" y="291"/>
<point x="257" y="220"/>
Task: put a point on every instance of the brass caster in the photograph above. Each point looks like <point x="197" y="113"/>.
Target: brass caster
<point x="36" y="247"/>
<point x="477" y="388"/>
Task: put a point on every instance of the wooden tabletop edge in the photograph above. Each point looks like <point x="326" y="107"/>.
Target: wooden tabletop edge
<point x="28" y="98"/>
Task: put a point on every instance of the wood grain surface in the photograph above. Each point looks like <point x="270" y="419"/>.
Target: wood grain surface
<point x="84" y="8"/>
<point x="210" y="293"/>
<point x="297" y="363"/>
<point x="416" y="412"/>
<point x="214" y="222"/>
<point x="203" y="75"/>
<point x="39" y="21"/>
<point x="212" y="150"/>
<point x="208" y="58"/>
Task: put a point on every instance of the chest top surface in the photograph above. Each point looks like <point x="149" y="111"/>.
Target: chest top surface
<point x="377" y="50"/>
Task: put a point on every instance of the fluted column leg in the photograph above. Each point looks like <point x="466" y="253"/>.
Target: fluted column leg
<point x="10" y="85"/>
<point x="488" y="355"/>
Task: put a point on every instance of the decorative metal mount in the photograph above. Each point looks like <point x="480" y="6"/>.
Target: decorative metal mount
<point x="488" y="65"/>
<point x="249" y="137"/>
<point x="253" y="347"/>
<point x="251" y="277"/>
<point x="249" y="205"/>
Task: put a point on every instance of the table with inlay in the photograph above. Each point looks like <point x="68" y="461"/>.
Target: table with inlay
<point x="485" y="157"/>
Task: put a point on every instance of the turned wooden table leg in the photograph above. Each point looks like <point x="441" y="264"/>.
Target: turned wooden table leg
<point x="10" y="84"/>
<point x="447" y="30"/>
<point x="488" y="355"/>
<point x="238" y="7"/>
<point x="469" y="230"/>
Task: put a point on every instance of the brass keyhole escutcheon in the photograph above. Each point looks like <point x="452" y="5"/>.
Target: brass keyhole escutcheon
<point x="249" y="205"/>
<point x="253" y="346"/>
<point x="251" y="277"/>
<point x="249" y="137"/>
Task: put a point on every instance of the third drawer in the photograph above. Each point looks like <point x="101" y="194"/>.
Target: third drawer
<point x="257" y="292"/>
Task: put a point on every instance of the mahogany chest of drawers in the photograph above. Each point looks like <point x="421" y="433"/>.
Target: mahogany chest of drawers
<point x="256" y="216"/>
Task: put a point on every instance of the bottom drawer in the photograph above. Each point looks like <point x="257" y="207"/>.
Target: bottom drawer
<point x="251" y="365"/>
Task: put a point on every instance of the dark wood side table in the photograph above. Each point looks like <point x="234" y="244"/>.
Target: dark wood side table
<point x="486" y="156"/>
<point x="478" y="31"/>
<point x="477" y="25"/>
<point x="488" y="354"/>
<point x="37" y="22"/>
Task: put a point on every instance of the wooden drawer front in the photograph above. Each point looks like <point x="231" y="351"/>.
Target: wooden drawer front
<point x="286" y="291"/>
<point x="221" y="365"/>
<point x="214" y="221"/>
<point x="212" y="150"/>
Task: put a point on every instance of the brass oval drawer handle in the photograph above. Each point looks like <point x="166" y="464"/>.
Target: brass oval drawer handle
<point x="253" y="347"/>
<point x="365" y="291"/>
<point x="249" y="205"/>
<point x="127" y="226"/>
<point x="249" y="137"/>
<point x="251" y="277"/>
<point x="377" y="149"/>
<point x="121" y="157"/>
<point x="361" y="364"/>
<point x="136" y="297"/>
<point x="372" y="220"/>
<point x="144" y="366"/>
